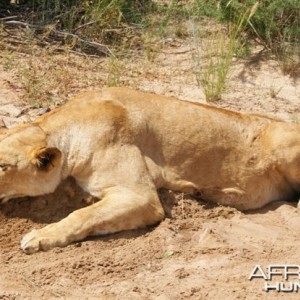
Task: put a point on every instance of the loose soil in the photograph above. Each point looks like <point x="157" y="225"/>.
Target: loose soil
<point x="200" y="251"/>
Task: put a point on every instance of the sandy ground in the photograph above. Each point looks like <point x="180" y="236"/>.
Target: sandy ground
<point x="200" y="251"/>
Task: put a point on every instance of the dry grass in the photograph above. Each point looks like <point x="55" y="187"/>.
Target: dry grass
<point x="212" y="60"/>
<point x="46" y="78"/>
<point x="53" y="73"/>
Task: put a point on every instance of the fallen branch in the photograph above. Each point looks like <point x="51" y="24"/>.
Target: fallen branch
<point x="179" y="51"/>
<point x="8" y="18"/>
<point x="88" y="47"/>
<point x="85" y="25"/>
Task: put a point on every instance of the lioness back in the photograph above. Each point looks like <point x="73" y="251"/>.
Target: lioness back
<point x="187" y="146"/>
<point x="122" y="145"/>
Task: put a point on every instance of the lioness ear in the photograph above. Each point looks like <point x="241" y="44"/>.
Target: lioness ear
<point x="46" y="159"/>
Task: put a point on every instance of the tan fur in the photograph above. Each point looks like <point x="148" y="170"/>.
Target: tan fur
<point x="122" y="145"/>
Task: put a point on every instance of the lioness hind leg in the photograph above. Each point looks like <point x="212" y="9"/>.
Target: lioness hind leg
<point x="120" y="209"/>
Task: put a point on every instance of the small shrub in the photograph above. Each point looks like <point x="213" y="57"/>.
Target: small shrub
<point x="219" y="50"/>
<point x="276" y="24"/>
<point x="95" y="19"/>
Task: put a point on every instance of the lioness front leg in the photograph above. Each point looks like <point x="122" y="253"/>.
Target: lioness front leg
<point x="121" y="208"/>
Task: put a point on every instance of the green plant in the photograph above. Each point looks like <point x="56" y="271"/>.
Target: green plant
<point x="32" y="81"/>
<point x="114" y="72"/>
<point x="275" y="91"/>
<point x="208" y="8"/>
<point x="212" y="74"/>
<point x="218" y="50"/>
<point x="275" y="24"/>
<point x="168" y="14"/>
<point x="8" y="60"/>
<point x="87" y="18"/>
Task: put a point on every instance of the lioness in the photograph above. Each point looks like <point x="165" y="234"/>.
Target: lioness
<point x="122" y="145"/>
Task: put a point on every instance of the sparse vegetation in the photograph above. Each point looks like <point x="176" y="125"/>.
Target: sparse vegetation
<point x="275" y="25"/>
<point x="47" y="79"/>
<point x="218" y="49"/>
<point x="114" y="72"/>
<point x="85" y="26"/>
<point x="117" y="28"/>
<point x="212" y="60"/>
<point x="274" y="91"/>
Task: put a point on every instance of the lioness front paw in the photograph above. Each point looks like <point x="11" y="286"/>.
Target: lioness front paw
<point x="37" y="240"/>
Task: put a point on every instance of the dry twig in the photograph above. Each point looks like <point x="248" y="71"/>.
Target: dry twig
<point x="50" y="33"/>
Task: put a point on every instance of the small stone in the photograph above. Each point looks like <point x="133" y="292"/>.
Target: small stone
<point x="10" y="110"/>
<point x="10" y="122"/>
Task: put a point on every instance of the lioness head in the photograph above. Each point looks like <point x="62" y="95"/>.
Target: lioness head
<point x="28" y="167"/>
